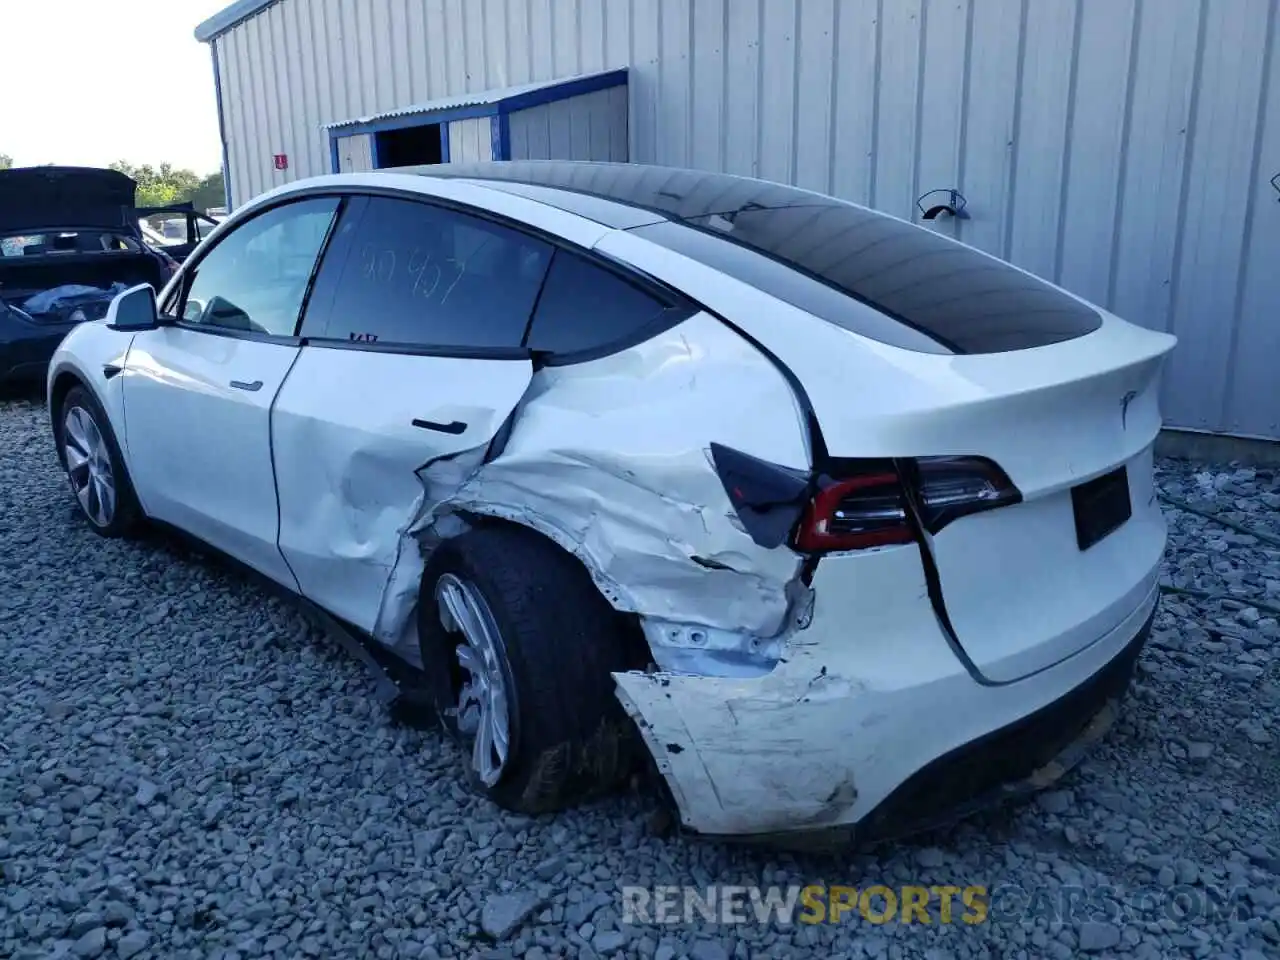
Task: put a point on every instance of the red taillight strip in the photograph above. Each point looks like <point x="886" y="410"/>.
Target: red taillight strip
<point x="814" y="534"/>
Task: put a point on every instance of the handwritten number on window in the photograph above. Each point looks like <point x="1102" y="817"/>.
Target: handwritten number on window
<point x="377" y="264"/>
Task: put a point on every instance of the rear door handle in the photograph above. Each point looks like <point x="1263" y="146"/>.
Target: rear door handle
<point x="453" y="426"/>
<point x="251" y="387"/>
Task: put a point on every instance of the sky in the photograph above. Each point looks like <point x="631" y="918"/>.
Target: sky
<point x="86" y="82"/>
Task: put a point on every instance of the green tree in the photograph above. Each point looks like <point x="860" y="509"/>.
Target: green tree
<point x="6" y="161"/>
<point x="159" y="186"/>
<point x="209" y="192"/>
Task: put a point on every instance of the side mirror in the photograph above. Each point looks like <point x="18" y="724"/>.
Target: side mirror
<point x="135" y="309"/>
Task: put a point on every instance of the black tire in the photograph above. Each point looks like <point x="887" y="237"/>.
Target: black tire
<point x="126" y="516"/>
<point x="570" y="740"/>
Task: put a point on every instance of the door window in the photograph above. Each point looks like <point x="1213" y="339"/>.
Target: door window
<point x="255" y="279"/>
<point x="420" y="275"/>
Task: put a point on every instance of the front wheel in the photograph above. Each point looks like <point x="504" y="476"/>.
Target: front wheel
<point x="522" y="646"/>
<point x="95" y="469"/>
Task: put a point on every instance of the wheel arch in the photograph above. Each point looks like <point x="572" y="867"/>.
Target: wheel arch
<point x="65" y="377"/>
<point x="475" y="519"/>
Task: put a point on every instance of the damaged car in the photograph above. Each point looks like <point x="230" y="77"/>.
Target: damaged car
<point x="69" y="242"/>
<point x="850" y="525"/>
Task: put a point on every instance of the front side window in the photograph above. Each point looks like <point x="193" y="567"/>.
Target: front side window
<point x="255" y="279"/>
<point x="420" y="275"/>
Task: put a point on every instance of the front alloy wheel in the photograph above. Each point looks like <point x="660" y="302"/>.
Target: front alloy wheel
<point x="95" y="469"/>
<point x="89" y="466"/>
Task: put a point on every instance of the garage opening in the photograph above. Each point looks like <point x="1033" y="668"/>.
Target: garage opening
<point x="409" y="146"/>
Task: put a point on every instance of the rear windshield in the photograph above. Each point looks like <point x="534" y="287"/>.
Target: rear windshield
<point x="932" y="287"/>
<point x="932" y="293"/>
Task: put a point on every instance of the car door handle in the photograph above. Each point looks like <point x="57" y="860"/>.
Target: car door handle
<point x="251" y="387"/>
<point x="453" y="426"/>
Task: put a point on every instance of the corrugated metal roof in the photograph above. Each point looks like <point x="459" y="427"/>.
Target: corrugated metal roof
<point x="481" y="98"/>
<point x="228" y="17"/>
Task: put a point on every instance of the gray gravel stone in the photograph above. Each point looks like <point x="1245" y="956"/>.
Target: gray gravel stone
<point x="131" y="944"/>
<point x="246" y="796"/>
<point x="1095" y="937"/>
<point x="503" y="913"/>
<point x="91" y="944"/>
<point x="607" y="941"/>
<point x="708" y="950"/>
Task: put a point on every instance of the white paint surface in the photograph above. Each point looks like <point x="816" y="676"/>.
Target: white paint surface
<point x="199" y="448"/>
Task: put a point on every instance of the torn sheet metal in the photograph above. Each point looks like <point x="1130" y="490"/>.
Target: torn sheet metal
<point x="610" y="460"/>
<point x="865" y="697"/>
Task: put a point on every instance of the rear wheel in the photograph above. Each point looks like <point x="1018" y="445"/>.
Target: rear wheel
<point x="95" y="469"/>
<point x="521" y="646"/>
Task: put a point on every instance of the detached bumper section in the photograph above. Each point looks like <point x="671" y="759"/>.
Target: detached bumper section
<point x="884" y="731"/>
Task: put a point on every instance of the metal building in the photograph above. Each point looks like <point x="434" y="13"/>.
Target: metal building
<point x="1125" y="149"/>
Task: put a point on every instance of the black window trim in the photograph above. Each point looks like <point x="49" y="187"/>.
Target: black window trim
<point x="190" y="268"/>
<point x="679" y="306"/>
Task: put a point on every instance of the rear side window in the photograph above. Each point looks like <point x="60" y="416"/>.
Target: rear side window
<point x="418" y="275"/>
<point x="585" y="307"/>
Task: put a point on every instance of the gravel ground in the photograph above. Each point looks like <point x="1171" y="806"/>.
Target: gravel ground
<point x="188" y="770"/>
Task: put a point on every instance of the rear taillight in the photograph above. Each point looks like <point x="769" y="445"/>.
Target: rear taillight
<point x="854" y="513"/>
<point x="857" y="504"/>
<point x="868" y="504"/>
<point x="954" y="487"/>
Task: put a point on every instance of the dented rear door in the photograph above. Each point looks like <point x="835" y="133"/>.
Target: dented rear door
<point x="411" y="364"/>
<point x="354" y="430"/>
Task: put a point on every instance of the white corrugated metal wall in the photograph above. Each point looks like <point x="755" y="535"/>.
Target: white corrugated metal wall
<point x="1120" y="147"/>
<point x="590" y="127"/>
<point x="470" y="140"/>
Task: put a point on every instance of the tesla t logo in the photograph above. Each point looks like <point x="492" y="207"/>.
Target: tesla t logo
<point x="1127" y="399"/>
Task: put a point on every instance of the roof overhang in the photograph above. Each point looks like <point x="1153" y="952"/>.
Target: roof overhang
<point x="480" y="104"/>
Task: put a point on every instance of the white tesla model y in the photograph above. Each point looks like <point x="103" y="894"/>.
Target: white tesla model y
<point x="851" y="525"/>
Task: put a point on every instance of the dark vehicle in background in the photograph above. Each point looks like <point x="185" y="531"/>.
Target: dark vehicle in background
<point x="69" y="240"/>
<point x="178" y="228"/>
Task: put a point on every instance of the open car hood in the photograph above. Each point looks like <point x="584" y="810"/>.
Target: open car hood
<point x="45" y="197"/>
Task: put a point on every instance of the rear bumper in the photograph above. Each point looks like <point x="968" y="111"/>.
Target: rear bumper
<point x="25" y="348"/>
<point x="878" y="732"/>
<point x="1019" y="758"/>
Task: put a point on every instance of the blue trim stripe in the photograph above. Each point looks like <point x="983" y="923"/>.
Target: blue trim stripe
<point x="444" y="143"/>
<point x="222" y="128"/>
<point x="495" y="138"/>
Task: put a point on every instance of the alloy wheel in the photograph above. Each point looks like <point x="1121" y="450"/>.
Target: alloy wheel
<point x="483" y="700"/>
<point x="89" y="466"/>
